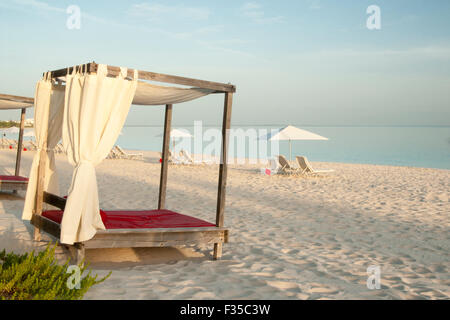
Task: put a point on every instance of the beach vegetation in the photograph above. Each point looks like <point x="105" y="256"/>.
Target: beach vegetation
<point x="39" y="276"/>
<point x="8" y="124"/>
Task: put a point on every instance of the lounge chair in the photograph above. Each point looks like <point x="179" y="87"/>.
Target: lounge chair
<point x="59" y="148"/>
<point x="175" y="159"/>
<point x="286" y="168"/>
<point x="185" y="155"/>
<point x="7" y="143"/>
<point x="3" y="143"/>
<point x="111" y="154"/>
<point x="114" y="154"/>
<point x="131" y="156"/>
<point x="306" y="167"/>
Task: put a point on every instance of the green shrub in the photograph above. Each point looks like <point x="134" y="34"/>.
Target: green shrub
<point x="40" y="277"/>
<point x="8" y="124"/>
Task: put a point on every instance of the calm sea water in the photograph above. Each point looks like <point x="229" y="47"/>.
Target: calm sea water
<point x="402" y="146"/>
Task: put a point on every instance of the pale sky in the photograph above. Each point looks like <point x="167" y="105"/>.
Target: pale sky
<point x="311" y="62"/>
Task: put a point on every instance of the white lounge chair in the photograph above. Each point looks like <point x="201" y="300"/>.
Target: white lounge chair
<point x="58" y="148"/>
<point x="131" y="156"/>
<point x="113" y="154"/>
<point x="178" y="159"/>
<point x="285" y="166"/>
<point x="6" y="143"/>
<point x="185" y="155"/>
<point x="306" y="167"/>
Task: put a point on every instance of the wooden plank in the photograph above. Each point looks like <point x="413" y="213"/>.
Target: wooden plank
<point x="165" y="158"/>
<point x="55" y="200"/>
<point x="153" y="239"/>
<point x="16" y="98"/>
<point x="89" y="67"/>
<point x="152" y="76"/>
<point x="13" y="185"/>
<point x="46" y="225"/>
<point x="160" y="230"/>
<point x="160" y="236"/>
<point x="223" y="169"/>
<point x="97" y="244"/>
<point x="20" y="142"/>
<point x="146" y="75"/>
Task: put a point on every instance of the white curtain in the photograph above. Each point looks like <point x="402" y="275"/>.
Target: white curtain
<point x="96" y="107"/>
<point x="150" y="94"/>
<point x="48" y="115"/>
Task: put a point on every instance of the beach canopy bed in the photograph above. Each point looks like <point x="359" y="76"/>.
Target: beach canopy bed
<point x="15" y="182"/>
<point x="86" y="106"/>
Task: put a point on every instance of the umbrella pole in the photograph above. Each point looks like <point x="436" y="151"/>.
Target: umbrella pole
<point x="290" y="150"/>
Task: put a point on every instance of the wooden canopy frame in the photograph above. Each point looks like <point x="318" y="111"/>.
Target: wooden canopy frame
<point x="13" y="184"/>
<point x="152" y="237"/>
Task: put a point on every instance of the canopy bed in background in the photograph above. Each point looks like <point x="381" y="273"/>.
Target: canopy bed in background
<point x="15" y="182"/>
<point x="87" y="106"/>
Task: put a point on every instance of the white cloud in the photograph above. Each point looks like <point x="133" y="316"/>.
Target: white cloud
<point x="39" y="5"/>
<point x="251" y="6"/>
<point x="163" y="13"/>
<point x="426" y="52"/>
<point x="255" y="13"/>
<point x="315" y="5"/>
<point x="150" y="12"/>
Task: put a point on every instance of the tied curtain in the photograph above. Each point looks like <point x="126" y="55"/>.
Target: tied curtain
<point x="96" y="107"/>
<point x="48" y="115"/>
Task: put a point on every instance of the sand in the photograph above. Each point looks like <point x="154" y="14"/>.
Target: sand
<point x="291" y="237"/>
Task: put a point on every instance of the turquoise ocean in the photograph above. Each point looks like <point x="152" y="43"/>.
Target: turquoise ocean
<point x="416" y="146"/>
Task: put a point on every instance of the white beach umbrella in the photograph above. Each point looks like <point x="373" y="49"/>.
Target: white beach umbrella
<point x="176" y="133"/>
<point x="293" y="133"/>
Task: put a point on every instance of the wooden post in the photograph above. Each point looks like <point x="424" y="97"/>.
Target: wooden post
<point x="165" y="157"/>
<point x="40" y="190"/>
<point x="80" y="253"/>
<point x="20" y="143"/>
<point x="223" y="170"/>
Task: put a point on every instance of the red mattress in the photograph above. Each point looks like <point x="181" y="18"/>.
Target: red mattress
<point x="13" y="178"/>
<point x="140" y="219"/>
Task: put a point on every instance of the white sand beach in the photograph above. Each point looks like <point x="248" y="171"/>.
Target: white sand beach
<point x="290" y="237"/>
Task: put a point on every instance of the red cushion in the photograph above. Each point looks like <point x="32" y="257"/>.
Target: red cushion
<point x="13" y="178"/>
<point x="103" y="215"/>
<point x="146" y="219"/>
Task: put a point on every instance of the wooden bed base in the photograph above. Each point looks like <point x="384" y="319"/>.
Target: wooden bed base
<point x="13" y="185"/>
<point x="132" y="238"/>
<point x="17" y="185"/>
